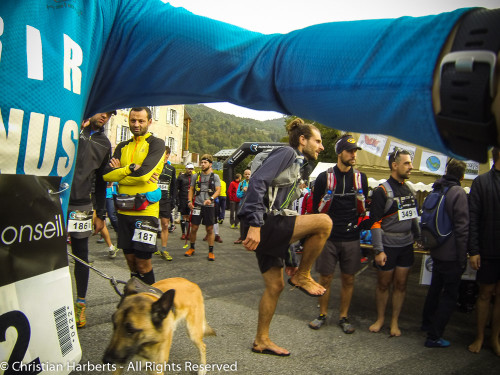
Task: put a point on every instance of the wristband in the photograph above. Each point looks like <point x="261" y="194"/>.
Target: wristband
<point x="467" y="86"/>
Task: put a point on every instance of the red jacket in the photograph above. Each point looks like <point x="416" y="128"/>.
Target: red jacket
<point x="231" y="191"/>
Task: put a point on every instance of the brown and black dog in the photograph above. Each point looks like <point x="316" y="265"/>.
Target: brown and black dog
<point x="146" y="318"/>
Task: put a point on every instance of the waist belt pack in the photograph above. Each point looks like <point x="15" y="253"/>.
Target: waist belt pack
<point x="126" y="202"/>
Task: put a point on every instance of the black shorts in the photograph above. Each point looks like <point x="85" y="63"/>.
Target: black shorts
<point x="346" y="253"/>
<point x="183" y="207"/>
<point x="489" y="272"/>
<point x="206" y="216"/>
<point x="166" y="209"/>
<point x="275" y="238"/>
<point x="398" y="257"/>
<point x="137" y="234"/>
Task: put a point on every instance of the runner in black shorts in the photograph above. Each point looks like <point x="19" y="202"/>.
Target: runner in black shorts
<point x="183" y="185"/>
<point x="394" y="214"/>
<point x="205" y="187"/>
<point x="271" y="230"/>
<point x="137" y="235"/>
<point x="167" y="183"/>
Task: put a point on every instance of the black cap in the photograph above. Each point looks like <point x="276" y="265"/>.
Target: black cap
<point x="346" y="142"/>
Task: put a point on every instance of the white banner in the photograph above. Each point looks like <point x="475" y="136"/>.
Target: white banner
<point x="37" y="325"/>
<point x="472" y="170"/>
<point x="410" y="149"/>
<point x="373" y="143"/>
<point x="433" y="163"/>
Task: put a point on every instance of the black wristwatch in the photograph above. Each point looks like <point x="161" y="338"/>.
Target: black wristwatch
<point x="131" y="167"/>
<point x="467" y="86"/>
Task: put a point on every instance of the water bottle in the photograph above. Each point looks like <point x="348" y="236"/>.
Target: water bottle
<point x="360" y="202"/>
<point x="324" y="205"/>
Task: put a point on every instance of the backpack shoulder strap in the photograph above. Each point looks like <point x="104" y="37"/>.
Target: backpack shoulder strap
<point x="357" y="180"/>
<point x="331" y="180"/>
<point x="390" y="195"/>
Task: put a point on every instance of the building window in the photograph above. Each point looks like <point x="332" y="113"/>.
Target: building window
<point x="124" y="133"/>
<point x="172" y="117"/>
<point x="172" y="143"/>
<point x="155" y="112"/>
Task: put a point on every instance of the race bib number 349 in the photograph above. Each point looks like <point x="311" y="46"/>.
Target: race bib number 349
<point x="407" y="214"/>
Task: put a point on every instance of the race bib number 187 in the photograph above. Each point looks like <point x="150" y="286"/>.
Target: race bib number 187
<point x="144" y="236"/>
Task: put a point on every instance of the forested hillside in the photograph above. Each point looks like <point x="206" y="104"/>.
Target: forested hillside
<point x="211" y="130"/>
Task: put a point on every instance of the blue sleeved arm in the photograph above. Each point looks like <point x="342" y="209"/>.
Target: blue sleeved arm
<point x="374" y="74"/>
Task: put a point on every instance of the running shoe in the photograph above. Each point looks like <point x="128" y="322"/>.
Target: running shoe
<point x="171" y="228"/>
<point x="189" y="253"/>
<point x="346" y="326"/>
<point x="100" y="240"/>
<point x="113" y="250"/>
<point x="211" y="256"/>
<point x="165" y="255"/>
<point x="218" y="239"/>
<point x="318" y="322"/>
<point x="183" y="237"/>
<point x="439" y="343"/>
<point x="81" y="319"/>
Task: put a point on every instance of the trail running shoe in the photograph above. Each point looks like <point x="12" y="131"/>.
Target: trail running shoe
<point x="113" y="250"/>
<point x="165" y="255"/>
<point x="81" y="319"/>
<point x="318" y="322"/>
<point x="439" y="343"/>
<point x="211" y="256"/>
<point x="189" y="253"/>
<point x="346" y="326"/>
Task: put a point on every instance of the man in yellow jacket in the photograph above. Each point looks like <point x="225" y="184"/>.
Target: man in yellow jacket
<point x="133" y="165"/>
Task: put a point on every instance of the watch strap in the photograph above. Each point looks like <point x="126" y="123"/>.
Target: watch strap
<point x="467" y="89"/>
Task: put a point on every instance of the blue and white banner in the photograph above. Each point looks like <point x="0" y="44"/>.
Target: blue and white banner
<point x="433" y="162"/>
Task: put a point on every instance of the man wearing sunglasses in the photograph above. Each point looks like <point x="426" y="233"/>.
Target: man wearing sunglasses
<point x="394" y="214"/>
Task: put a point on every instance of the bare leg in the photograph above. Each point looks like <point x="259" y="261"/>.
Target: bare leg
<point x="210" y="235"/>
<point x="317" y="229"/>
<point x="273" y="280"/>
<point x="193" y="232"/>
<point x="381" y="297"/>
<point x="346" y="294"/>
<point x="325" y="281"/>
<point x="482" y="310"/>
<point x="398" y="297"/>
<point x="495" y="322"/>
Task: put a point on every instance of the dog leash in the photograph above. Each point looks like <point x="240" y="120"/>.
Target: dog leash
<point x="114" y="282"/>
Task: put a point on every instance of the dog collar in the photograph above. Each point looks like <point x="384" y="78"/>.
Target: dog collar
<point x="467" y="89"/>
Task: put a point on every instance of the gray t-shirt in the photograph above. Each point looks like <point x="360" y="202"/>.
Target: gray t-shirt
<point x="204" y="185"/>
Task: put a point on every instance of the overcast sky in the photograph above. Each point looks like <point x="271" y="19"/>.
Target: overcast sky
<point x="282" y="16"/>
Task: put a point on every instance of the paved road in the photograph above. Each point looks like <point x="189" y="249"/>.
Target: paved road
<point x="232" y="287"/>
